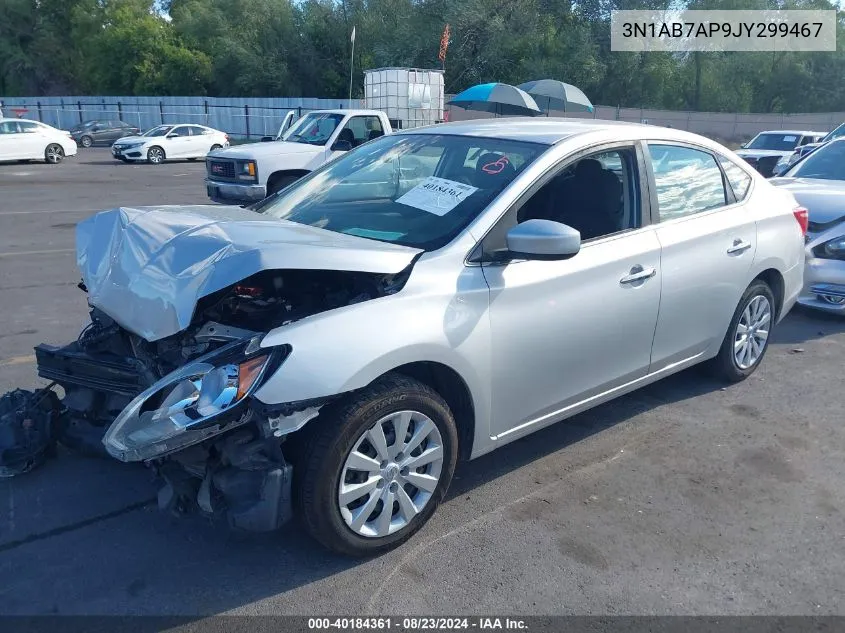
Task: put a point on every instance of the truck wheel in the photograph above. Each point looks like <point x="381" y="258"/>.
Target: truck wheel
<point x="375" y="467"/>
<point x="277" y="183"/>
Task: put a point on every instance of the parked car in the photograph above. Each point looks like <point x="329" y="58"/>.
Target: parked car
<point x="101" y="132"/>
<point x="168" y="142"/>
<point x="433" y="294"/>
<point x="818" y="183"/>
<point x="22" y="139"/>
<point x="805" y="149"/>
<point x="765" y="150"/>
<point x="248" y="173"/>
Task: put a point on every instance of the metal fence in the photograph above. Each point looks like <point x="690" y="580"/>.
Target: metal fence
<point x="254" y="118"/>
<point x="246" y="118"/>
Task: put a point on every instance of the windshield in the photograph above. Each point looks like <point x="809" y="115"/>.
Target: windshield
<point x="314" y="129"/>
<point x="416" y="190"/>
<point x="826" y="163"/>
<point x="777" y="142"/>
<point x="161" y="130"/>
<point x="837" y="133"/>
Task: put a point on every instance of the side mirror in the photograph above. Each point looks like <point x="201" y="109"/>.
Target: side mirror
<point x="174" y="135"/>
<point x="266" y="139"/>
<point x="543" y="239"/>
<point x="744" y="145"/>
<point x="341" y="146"/>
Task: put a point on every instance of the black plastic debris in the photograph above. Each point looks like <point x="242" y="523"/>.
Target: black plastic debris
<point x="28" y="422"/>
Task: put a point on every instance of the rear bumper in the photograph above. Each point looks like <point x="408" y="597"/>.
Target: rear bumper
<point x="824" y="285"/>
<point x="234" y="193"/>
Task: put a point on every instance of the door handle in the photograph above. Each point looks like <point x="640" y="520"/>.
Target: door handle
<point x="638" y="273"/>
<point x="740" y="246"/>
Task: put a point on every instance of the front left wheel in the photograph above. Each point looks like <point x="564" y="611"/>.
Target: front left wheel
<point x="155" y="155"/>
<point x="375" y="468"/>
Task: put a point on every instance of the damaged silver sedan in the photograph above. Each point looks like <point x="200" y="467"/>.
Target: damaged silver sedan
<point x="332" y="351"/>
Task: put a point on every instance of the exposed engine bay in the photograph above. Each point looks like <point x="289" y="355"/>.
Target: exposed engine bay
<point x="182" y="404"/>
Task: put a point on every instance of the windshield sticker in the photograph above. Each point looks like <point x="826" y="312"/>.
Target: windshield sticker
<point x="496" y="167"/>
<point x="437" y="195"/>
<point x="789" y="139"/>
<point x="389" y="236"/>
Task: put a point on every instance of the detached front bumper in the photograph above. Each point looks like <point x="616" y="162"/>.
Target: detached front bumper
<point x="234" y="193"/>
<point x="824" y="285"/>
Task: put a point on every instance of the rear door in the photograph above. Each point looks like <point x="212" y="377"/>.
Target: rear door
<point x="708" y="239"/>
<point x="200" y="143"/>
<point x="32" y="139"/>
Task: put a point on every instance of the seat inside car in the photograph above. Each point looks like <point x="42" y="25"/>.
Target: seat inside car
<point x="587" y="198"/>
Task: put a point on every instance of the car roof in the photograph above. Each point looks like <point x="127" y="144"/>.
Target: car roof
<point x="545" y="130"/>
<point x="802" y="132"/>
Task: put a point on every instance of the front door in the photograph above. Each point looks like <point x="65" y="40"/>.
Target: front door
<point x="566" y="331"/>
<point x="708" y="238"/>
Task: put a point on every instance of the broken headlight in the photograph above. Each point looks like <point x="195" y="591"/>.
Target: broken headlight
<point x="198" y="401"/>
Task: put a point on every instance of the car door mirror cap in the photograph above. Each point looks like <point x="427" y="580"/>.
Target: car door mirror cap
<point x="341" y="146"/>
<point x="174" y="135"/>
<point x="543" y="239"/>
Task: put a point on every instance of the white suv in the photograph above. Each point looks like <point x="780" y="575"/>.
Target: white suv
<point x="249" y="173"/>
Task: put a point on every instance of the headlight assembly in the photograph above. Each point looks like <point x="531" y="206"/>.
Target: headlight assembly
<point x="196" y="402"/>
<point x="246" y="170"/>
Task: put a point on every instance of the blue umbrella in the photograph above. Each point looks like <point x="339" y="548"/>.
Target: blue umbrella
<point x="557" y="94"/>
<point x="496" y="98"/>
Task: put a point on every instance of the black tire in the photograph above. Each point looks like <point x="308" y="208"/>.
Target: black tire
<point x="725" y="365"/>
<point x="277" y="183"/>
<point x="191" y="160"/>
<point x="54" y="154"/>
<point x="86" y="141"/>
<point x="215" y="147"/>
<point x="331" y="437"/>
<point x="156" y="155"/>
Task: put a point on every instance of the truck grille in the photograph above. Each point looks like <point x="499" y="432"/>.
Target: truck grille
<point x="221" y="169"/>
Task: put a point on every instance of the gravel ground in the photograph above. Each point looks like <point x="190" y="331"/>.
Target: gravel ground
<point x="683" y="498"/>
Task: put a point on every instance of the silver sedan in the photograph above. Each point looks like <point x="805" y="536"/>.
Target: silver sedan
<point x="818" y="183"/>
<point x="432" y="295"/>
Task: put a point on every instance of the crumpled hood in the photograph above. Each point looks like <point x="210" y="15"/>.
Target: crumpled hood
<point x="147" y="267"/>
<point x="269" y="148"/>
<point x="824" y="199"/>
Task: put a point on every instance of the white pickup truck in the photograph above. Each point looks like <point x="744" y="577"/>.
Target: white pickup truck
<point x="248" y="173"/>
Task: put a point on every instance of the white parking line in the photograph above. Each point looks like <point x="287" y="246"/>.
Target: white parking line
<point x="58" y="250"/>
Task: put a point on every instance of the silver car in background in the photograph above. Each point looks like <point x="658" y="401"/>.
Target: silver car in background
<point x="432" y="295"/>
<point x="818" y="183"/>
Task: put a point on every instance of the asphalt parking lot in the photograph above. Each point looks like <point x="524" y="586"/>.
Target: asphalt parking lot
<point x="683" y="498"/>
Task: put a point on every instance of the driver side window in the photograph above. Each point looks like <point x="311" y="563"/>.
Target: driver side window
<point x="598" y="194"/>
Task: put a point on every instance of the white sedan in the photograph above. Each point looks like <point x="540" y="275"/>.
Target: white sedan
<point x="166" y="142"/>
<point x="22" y="139"/>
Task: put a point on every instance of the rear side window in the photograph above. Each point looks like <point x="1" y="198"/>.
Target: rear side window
<point x="688" y="181"/>
<point x="31" y="128"/>
<point x="739" y="181"/>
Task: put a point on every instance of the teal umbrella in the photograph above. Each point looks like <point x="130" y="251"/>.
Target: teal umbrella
<point x="496" y="98"/>
<point x="557" y="95"/>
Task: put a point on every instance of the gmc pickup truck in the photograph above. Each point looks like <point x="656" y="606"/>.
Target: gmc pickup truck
<point x="248" y="173"/>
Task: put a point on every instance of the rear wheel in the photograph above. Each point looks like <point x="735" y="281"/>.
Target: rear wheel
<point x="54" y="153"/>
<point x="747" y="338"/>
<point x="86" y="141"/>
<point x="215" y="147"/>
<point x="155" y="155"/>
<point x="375" y="468"/>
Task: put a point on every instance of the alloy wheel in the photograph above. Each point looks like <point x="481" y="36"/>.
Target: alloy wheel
<point x="54" y="154"/>
<point x="752" y="332"/>
<point x="155" y="155"/>
<point x="390" y="474"/>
